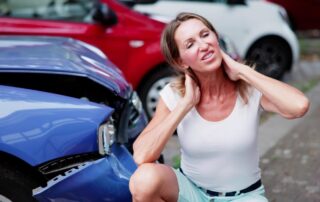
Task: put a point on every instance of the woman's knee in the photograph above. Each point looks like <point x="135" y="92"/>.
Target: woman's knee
<point x="145" y="181"/>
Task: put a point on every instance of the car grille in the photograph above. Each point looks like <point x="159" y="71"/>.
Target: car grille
<point x="59" y="166"/>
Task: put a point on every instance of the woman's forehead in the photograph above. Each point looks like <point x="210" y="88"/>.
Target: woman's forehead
<point x="188" y="29"/>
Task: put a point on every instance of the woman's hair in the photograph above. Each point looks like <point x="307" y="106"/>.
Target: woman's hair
<point x="170" y="51"/>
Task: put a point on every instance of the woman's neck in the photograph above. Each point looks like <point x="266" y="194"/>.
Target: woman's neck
<point x="216" y="86"/>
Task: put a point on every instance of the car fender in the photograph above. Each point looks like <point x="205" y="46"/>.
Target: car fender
<point x="146" y="64"/>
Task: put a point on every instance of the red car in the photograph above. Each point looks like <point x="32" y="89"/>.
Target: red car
<point x="130" y="39"/>
<point x="303" y="14"/>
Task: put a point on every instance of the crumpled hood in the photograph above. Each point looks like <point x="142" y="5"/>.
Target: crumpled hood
<point x="58" y="55"/>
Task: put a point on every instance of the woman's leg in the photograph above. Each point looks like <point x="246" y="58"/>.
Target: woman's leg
<point x="154" y="182"/>
<point x="252" y="198"/>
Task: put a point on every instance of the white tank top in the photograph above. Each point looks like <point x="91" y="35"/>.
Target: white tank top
<point x="220" y="156"/>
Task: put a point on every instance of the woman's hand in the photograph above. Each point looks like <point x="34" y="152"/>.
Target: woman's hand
<point x="277" y="96"/>
<point x="231" y="66"/>
<point x="192" y="93"/>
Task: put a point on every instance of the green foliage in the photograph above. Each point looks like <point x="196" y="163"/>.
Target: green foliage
<point x="307" y="85"/>
<point x="176" y="161"/>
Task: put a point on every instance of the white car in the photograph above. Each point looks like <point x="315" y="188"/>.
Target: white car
<point x="258" y="29"/>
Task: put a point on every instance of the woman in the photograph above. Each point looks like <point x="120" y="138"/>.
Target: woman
<point x="215" y="107"/>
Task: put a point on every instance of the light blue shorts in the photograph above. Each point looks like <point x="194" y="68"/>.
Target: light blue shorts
<point x="189" y="192"/>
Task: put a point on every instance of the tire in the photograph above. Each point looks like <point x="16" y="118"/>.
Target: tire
<point x="271" y="56"/>
<point x="150" y="88"/>
<point x="15" y="186"/>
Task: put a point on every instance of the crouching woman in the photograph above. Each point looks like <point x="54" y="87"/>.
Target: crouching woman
<point x="214" y="105"/>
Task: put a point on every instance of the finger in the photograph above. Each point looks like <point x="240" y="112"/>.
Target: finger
<point x="197" y="94"/>
<point x="189" y="80"/>
<point x="225" y="56"/>
<point x="222" y="51"/>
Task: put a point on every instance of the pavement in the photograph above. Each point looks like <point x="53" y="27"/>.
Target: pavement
<point x="290" y="155"/>
<point x="289" y="149"/>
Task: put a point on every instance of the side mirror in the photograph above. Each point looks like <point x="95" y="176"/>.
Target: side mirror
<point x="236" y="2"/>
<point x="104" y="15"/>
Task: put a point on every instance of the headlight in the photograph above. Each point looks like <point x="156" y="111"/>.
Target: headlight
<point x="106" y="136"/>
<point x="136" y="102"/>
<point x="136" y="116"/>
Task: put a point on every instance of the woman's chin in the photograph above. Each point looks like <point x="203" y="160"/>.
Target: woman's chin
<point x="214" y="65"/>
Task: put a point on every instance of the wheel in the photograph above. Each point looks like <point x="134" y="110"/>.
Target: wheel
<point x="271" y="56"/>
<point x="150" y="88"/>
<point x="15" y="186"/>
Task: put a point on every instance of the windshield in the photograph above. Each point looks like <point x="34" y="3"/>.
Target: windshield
<point x="71" y="10"/>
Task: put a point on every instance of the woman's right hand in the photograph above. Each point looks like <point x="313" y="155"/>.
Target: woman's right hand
<point x="192" y="93"/>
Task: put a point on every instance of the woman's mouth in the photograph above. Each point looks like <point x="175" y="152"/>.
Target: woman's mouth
<point x="207" y="55"/>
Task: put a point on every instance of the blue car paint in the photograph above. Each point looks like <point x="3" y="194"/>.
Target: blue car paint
<point x="105" y="179"/>
<point x="38" y="126"/>
<point x="58" y="55"/>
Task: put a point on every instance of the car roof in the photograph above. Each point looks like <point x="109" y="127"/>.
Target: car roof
<point x="59" y="55"/>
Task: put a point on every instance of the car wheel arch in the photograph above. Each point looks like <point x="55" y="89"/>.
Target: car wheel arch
<point x="163" y="68"/>
<point x="151" y="71"/>
<point x="275" y="37"/>
<point x="14" y="162"/>
<point x="283" y="57"/>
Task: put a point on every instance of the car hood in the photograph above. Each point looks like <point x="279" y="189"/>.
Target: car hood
<point x="38" y="126"/>
<point x="58" y="55"/>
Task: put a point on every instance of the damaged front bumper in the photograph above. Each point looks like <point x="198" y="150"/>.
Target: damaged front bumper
<point x="106" y="179"/>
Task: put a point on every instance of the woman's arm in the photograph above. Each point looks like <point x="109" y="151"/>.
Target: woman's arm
<point x="277" y="97"/>
<point x="150" y="143"/>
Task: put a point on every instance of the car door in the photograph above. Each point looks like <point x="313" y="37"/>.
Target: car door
<point x="64" y="18"/>
<point x="106" y="179"/>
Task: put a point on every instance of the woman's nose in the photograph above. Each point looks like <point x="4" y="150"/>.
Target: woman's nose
<point x="203" y="45"/>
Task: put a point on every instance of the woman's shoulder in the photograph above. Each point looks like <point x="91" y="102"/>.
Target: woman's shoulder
<point x="170" y="95"/>
<point x="170" y="89"/>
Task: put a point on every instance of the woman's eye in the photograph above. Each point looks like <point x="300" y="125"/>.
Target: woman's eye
<point x="205" y="34"/>
<point x="189" y="45"/>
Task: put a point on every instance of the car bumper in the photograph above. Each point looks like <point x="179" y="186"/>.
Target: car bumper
<point x="106" y="179"/>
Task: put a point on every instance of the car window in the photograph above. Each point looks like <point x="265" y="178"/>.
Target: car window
<point x="71" y="10"/>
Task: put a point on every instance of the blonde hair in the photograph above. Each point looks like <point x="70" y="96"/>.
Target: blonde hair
<point x="170" y="51"/>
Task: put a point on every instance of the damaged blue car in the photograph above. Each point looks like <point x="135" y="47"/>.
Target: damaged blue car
<point x="68" y="119"/>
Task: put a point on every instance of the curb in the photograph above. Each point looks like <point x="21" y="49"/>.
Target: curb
<point x="277" y="127"/>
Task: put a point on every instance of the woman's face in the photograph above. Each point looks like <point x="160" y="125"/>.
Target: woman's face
<point x="198" y="46"/>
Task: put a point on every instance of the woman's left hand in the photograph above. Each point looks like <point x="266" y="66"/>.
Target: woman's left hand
<point x="277" y="96"/>
<point x="231" y="66"/>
